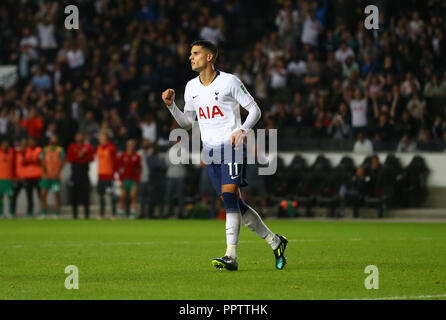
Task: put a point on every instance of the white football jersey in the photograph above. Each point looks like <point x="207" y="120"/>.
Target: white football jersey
<point x="217" y="106"/>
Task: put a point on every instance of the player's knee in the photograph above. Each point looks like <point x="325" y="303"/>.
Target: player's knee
<point x="231" y="188"/>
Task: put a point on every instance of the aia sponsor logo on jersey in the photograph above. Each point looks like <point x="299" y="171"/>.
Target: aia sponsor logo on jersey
<point x="207" y="113"/>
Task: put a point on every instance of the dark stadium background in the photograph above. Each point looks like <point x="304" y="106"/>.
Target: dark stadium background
<point x="109" y="75"/>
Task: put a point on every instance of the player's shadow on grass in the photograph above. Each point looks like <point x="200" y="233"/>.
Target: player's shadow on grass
<point x="260" y="269"/>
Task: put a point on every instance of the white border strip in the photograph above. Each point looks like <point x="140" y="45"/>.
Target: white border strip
<point x="403" y="297"/>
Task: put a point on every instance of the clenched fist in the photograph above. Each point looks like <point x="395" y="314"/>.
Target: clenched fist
<point x="168" y="97"/>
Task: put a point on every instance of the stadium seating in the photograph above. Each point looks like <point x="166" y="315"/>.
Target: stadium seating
<point x="318" y="184"/>
<point x="297" y="178"/>
<point x="415" y="191"/>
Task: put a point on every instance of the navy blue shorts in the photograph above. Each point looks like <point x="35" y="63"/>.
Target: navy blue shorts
<point x="227" y="170"/>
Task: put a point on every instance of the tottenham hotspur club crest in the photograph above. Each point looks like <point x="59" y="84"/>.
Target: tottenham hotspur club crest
<point x="216" y="95"/>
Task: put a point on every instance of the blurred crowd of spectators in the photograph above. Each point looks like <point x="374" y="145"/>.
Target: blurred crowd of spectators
<point x="310" y="65"/>
<point x="384" y="88"/>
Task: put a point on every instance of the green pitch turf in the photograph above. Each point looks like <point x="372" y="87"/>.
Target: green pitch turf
<point x="172" y="260"/>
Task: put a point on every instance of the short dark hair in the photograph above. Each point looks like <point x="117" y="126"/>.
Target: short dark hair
<point x="208" y="45"/>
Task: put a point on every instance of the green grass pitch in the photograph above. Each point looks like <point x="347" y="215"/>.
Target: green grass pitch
<point x="171" y="259"/>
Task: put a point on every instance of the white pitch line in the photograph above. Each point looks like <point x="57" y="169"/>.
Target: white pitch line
<point x="93" y="244"/>
<point x="402" y="297"/>
<point x="81" y="244"/>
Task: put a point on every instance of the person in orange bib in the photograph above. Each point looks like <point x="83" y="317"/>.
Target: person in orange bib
<point x="53" y="160"/>
<point x="7" y="174"/>
<point x="106" y="154"/>
<point x="32" y="172"/>
<point x="20" y="172"/>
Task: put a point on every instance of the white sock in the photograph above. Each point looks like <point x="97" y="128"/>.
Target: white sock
<point x="253" y="221"/>
<point x="231" y="251"/>
<point x="233" y="221"/>
<point x="273" y="240"/>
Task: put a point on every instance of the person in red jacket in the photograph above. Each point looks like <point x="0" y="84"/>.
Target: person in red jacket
<point x="129" y="169"/>
<point x="107" y="161"/>
<point x="32" y="172"/>
<point x="33" y="124"/>
<point x="80" y="154"/>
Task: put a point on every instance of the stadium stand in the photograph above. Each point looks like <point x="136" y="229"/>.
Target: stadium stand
<point x="318" y="75"/>
<point x="108" y="77"/>
<point x="384" y="185"/>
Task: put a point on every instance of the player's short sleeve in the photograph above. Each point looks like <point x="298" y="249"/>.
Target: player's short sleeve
<point x="188" y="101"/>
<point x="239" y="92"/>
